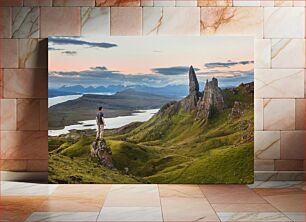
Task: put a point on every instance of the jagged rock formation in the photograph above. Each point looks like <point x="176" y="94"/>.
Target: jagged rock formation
<point x="212" y="100"/>
<point x="102" y="153"/>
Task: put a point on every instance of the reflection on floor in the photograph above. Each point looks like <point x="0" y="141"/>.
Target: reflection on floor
<point x="269" y="201"/>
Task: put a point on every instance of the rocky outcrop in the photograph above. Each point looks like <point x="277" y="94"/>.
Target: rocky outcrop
<point x="101" y="153"/>
<point x="193" y="81"/>
<point x="211" y="102"/>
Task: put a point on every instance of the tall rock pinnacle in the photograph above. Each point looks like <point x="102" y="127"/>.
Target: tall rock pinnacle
<point x="193" y="81"/>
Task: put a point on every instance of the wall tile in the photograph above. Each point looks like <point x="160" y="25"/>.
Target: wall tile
<point x="1" y="84"/>
<point x="163" y="3"/>
<point x="288" y="53"/>
<point x="279" y="114"/>
<point x="278" y="22"/>
<point x="25" y="23"/>
<point x="262" y="53"/>
<point x="258" y="114"/>
<point x="146" y="2"/>
<point x="266" y="3"/>
<point x="43" y="115"/>
<point x="186" y="3"/>
<point x="289" y="165"/>
<point x="305" y="82"/>
<point x="263" y="165"/>
<point x="171" y="21"/>
<point x="299" y="3"/>
<point x="24" y="145"/>
<point x="4" y="3"/>
<point x="25" y="83"/>
<point x="51" y="17"/>
<point x="37" y="165"/>
<point x="126" y="21"/>
<point x="74" y="3"/>
<point x="283" y="3"/>
<point x="8" y="53"/>
<point x="273" y="83"/>
<point x="219" y="3"/>
<point x="28" y="114"/>
<point x="117" y="2"/>
<point x="37" y="2"/>
<point x="95" y="21"/>
<point x="267" y="145"/>
<point x="8" y="114"/>
<point x="5" y="22"/>
<point x="33" y="53"/>
<point x="232" y="21"/>
<point x="246" y="3"/>
<point x="13" y="165"/>
<point x="300" y="114"/>
<point x="292" y="145"/>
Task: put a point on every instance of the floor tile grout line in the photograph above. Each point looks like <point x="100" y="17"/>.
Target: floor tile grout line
<point x="160" y="202"/>
<point x="109" y="190"/>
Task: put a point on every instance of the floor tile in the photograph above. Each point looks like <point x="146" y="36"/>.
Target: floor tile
<point x="133" y="196"/>
<point x="230" y="194"/>
<point x="296" y="216"/>
<point x="130" y="214"/>
<point x="262" y="207"/>
<point x="174" y="190"/>
<point x="187" y="209"/>
<point x="18" y="208"/>
<point x="276" y="184"/>
<point x="63" y="216"/>
<point x="26" y="189"/>
<point x="274" y="216"/>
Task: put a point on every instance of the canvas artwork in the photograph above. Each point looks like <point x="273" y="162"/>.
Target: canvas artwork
<point x="151" y="110"/>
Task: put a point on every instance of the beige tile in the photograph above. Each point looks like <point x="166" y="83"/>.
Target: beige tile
<point x="267" y="145"/>
<point x="284" y="3"/>
<point x="25" y="83"/>
<point x="1" y="83"/>
<point x="263" y="207"/>
<point x="5" y="3"/>
<point x="43" y="114"/>
<point x="232" y="21"/>
<point x="91" y="191"/>
<point x="24" y="145"/>
<point x="230" y="194"/>
<point x="123" y="3"/>
<point x="186" y="3"/>
<point x="299" y="3"/>
<point x="163" y="3"/>
<point x="273" y="83"/>
<point x="266" y="3"/>
<point x="5" y="22"/>
<point x="220" y="3"/>
<point x="246" y="3"/>
<point x="183" y="191"/>
<point x="126" y="21"/>
<point x="73" y="2"/>
<point x="305" y="83"/>
<point x="258" y="115"/>
<point x="187" y="209"/>
<point x="171" y="21"/>
<point x="33" y="53"/>
<point x="146" y="2"/>
<point x="300" y="114"/>
<point x="289" y="165"/>
<point x="292" y="145"/>
<point x="133" y="196"/>
<point x="8" y="114"/>
<point x="51" y="17"/>
<point x="8" y="53"/>
<point x="278" y="19"/>
<point x="95" y="21"/>
<point x="13" y="165"/>
<point x="252" y="216"/>
<point x="263" y="165"/>
<point x="279" y="114"/>
<point x="262" y="53"/>
<point x="37" y="165"/>
<point x="283" y="49"/>
<point x="37" y="2"/>
<point x="25" y="22"/>
<point x="28" y="114"/>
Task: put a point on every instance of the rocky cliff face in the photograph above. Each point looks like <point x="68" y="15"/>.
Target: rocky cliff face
<point x="101" y="153"/>
<point x="212" y="100"/>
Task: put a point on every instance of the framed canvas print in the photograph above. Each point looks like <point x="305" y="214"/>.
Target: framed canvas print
<point x="151" y="110"/>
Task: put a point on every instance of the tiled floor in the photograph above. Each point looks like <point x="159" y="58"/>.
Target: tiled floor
<point x="270" y="201"/>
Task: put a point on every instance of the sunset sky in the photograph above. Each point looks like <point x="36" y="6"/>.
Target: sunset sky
<point x="152" y="61"/>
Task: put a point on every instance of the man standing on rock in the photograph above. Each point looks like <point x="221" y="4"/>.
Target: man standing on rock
<point x="100" y="124"/>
